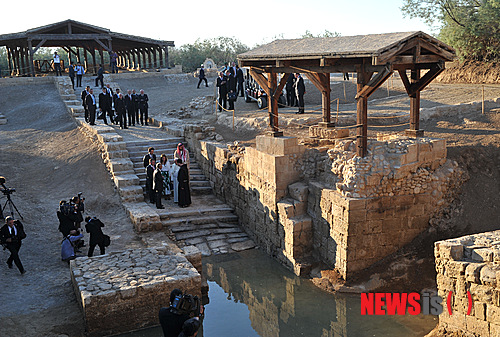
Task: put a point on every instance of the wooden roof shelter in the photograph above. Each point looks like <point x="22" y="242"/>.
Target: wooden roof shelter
<point x="71" y="34"/>
<point x="363" y="54"/>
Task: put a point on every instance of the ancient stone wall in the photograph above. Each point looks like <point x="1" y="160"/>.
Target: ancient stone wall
<point x="470" y="264"/>
<point x="356" y="210"/>
<point x="124" y="291"/>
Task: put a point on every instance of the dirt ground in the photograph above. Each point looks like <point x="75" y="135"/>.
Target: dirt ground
<point x="46" y="158"/>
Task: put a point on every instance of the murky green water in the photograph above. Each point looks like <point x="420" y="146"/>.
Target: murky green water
<point x="253" y="295"/>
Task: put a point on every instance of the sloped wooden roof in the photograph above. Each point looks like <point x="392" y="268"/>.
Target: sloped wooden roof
<point x="70" y="32"/>
<point x="360" y="46"/>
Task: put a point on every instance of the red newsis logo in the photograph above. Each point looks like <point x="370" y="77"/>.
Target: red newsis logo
<point x="400" y="304"/>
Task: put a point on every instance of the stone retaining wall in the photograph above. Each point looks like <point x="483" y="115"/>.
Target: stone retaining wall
<point x="470" y="264"/>
<point x="124" y="291"/>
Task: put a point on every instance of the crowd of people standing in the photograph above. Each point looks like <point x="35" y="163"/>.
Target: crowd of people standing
<point x="126" y="110"/>
<point x="166" y="180"/>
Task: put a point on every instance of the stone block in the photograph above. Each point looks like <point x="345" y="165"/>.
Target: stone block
<point x="455" y="268"/>
<point x="480" y="310"/>
<point x="492" y="313"/>
<point x="449" y="251"/>
<point x="480" y="327"/>
<point x="488" y="275"/>
<point x="472" y="272"/>
<point x="482" y="255"/>
<point x="298" y="191"/>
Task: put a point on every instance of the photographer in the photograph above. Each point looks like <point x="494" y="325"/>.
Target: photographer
<point x="11" y="235"/>
<point x="190" y="328"/>
<point x="68" y="245"/>
<point x="97" y="237"/>
<point x="66" y="224"/>
<point x="181" y="309"/>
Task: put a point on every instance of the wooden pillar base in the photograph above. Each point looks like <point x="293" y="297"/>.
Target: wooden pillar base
<point x="326" y="125"/>
<point x="414" y="133"/>
<point x="275" y="133"/>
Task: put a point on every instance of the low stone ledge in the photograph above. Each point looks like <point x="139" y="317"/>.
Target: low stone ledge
<point x="120" y="292"/>
<point x="327" y="133"/>
<point x="470" y="263"/>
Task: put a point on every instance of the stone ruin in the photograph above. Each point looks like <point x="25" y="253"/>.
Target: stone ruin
<point x="124" y="291"/>
<point x="326" y="205"/>
<point x="469" y="264"/>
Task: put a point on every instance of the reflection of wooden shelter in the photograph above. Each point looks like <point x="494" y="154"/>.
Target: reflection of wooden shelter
<point x="363" y="54"/>
<point x="71" y="34"/>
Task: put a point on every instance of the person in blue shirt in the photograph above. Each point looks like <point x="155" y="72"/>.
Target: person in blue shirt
<point x="68" y="245"/>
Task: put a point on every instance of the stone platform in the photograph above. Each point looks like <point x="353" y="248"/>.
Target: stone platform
<point x="123" y="291"/>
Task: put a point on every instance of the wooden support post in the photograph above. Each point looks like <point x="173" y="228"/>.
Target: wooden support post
<point x="415" y="107"/>
<point x="23" y="65"/>
<point x="85" y="57"/>
<point x="154" y="58"/>
<point x="9" y="58"/>
<point x="160" y="56"/>
<point x="144" y="62"/>
<point x="93" y="60"/>
<point x="165" y="48"/>
<point x="272" y="104"/>
<point x="32" y="66"/>
<point x="150" y="64"/>
<point x="101" y="56"/>
<point x="326" y="101"/>
<point x="362" y="113"/>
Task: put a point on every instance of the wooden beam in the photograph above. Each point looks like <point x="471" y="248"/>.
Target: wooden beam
<point x="9" y="59"/>
<point x="272" y="104"/>
<point x="99" y="42"/>
<point x="38" y="45"/>
<point x="412" y="88"/>
<point x="32" y="66"/>
<point x="404" y="79"/>
<point x="415" y="101"/>
<point x="281" y="85"/>
<point x="362" y="114"/>
<point x="316" y="80"/>
<point x="386" y="56"/>
<point x="375" y="83"/>
<point x="67" y="37"/>
<point x="261" y="80"/>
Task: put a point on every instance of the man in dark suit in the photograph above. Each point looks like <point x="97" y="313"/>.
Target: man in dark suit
<point x="231" y="89"/>
<point x="11" y="235"/>
<point x="300" y="90"/>
<point x="240" y="79"/>
<point x="136" y="106"/>
<point x="130" y="105"/>
<point x="150" y="155"/>
<point x="222" y="85"/>
<point x="71" y="72"/>
<point x="142" y="101"/>
<point x="120" y="109"/>
<point x="150" y="170"/>
<point x="105" y="105"/>
<point x="158" y="186"/>
<point x="290" y="90"/>
<point x="100" y="76"/>
<point x="84" y="102"/>
<point x="202" y="77"/>
<point x="93" y="227"/>
<point x="91" y="106"/>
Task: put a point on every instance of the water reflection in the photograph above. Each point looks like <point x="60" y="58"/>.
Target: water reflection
<point x="280" y="304"/>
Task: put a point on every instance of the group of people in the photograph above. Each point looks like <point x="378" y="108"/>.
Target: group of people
<point x="295" y="91"/>
<point x="125" y="110"/>
<point x="230" y="84"/>
<point x="164" y="179"/>
<point x="70" y="216"/>
<point x="77" y="70"/>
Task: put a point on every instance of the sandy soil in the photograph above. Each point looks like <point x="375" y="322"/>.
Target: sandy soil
<point x="46" y="158"/>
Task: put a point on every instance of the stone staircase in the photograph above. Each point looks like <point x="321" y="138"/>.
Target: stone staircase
<point x="208" y="223"/>
<point x="198" y="182"/>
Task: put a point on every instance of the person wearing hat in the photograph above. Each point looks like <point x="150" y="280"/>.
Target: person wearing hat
<point x="182" y="154"/>
<point x="202" y="77"/>
<point x="11" y="235"/>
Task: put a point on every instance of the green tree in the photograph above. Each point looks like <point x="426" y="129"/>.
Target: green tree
<point x="472" y="27"/>
<point x="221" y="49"/>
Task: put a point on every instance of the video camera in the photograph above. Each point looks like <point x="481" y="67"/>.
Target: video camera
<point x="186" y="305"/>
<point x="6" y="191"/>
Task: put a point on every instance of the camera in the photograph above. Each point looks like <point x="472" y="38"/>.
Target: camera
<point x="187" y="305"/>
<point x="6" y="191"/>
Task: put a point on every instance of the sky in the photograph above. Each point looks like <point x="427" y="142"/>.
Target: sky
<point x="251" y="22"/>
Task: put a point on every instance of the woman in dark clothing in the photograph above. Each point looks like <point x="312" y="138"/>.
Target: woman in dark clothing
<point x="183" y="178"/>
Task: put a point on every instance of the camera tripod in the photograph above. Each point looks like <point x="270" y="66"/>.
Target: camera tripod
<point x="12" y="207"/>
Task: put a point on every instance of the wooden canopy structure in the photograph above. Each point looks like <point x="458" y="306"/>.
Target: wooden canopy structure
<point x="362" y="54"/>
<point x="70" y="34"/>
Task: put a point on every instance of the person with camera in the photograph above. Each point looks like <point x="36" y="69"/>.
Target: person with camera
<point x="97" y="237"/>
<point x="181" y="309"/>
<point x="69" y="245"/>
<point x="66" y="224"/>
<point x="11" y="235"/>
<point x="190" y="328"/>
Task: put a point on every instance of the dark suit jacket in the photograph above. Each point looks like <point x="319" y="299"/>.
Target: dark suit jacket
<point x="239" y="76"/>
<point x="84" y="96"/>
<point x="120" y="106"/>
<point x="222" y="85"/>
<point x="129" y="103"/>
<point x="104" y="101"/>
<point x="100" y="73"/>
<point x="231" y="83"/>
<point x="202" y="73"/>
<point x="149" y="176"/>
<point x="94" y="228"/>
<point x="90" y="103"/>
<point x="142" y="100"/>
<point x="300" y="87"/>
<point x="157" y="181"/>
<point x="146" y="159"/>
<point x="16" y="239"/>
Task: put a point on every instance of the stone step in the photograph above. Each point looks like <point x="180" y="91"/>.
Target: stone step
<point x="139" y="159"/>
<point x="196" y="211"/>
<point x="140" y="165"/>
<point x="144" y="144"/>
<point x="69" y="97"/>
<point x="192" y="177"/>
<point x="73" y="102"/>
<point x="124" y="180"/>
<point x="199" y="220"/>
